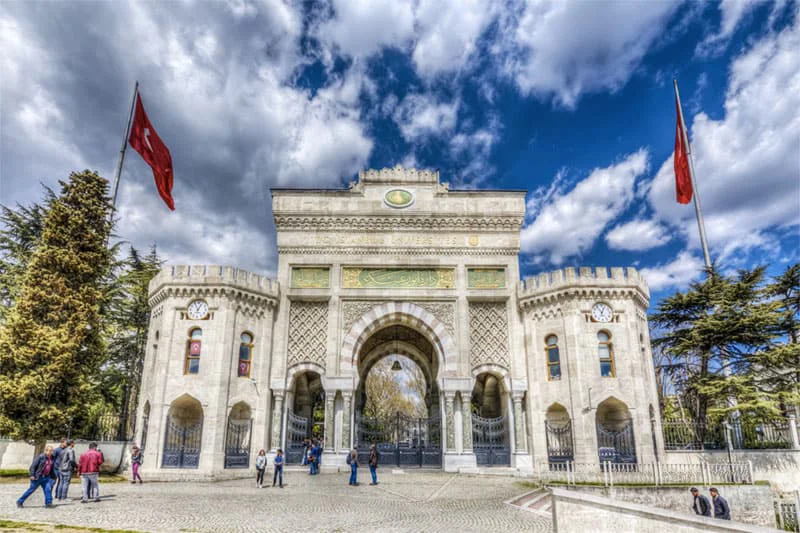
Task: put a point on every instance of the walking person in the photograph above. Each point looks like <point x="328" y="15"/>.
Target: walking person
<point x="57" y="451"/>
<point x="700" y="503"/>
<point x="89" y="470"/>
<point x="261" y="465"/>
<point x="721" y="508"/>
<point x="43" y="473"/>
<point x="136" y="462"/>
<point x="352" y="460"/>
<point x="278" y="473"/>
<point x="374" y="457"/>
<point x="65" y="470"/>
<point x="306" y="451"/>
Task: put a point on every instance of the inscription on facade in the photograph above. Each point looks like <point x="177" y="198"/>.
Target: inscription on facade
<point x="310" y="278"/>
<point x="402" y="278"/>
<point x="486" y="278"/>
<point x="390" y="240"/>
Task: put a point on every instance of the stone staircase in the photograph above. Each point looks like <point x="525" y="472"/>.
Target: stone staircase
<point x="537" y="501"/>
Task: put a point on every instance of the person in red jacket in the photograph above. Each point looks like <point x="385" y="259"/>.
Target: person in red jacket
<point x="89" y="470"/>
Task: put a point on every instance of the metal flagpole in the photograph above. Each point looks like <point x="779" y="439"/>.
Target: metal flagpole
<point x="124" y="146"/>
<point x="697" y="210"/>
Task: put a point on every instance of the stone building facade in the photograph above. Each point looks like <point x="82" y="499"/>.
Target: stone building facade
<point x="554" y="368"/>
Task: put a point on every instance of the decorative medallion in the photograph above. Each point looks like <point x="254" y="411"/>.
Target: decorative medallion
<point x="398" y="198"/>
<point x="486" y="278"/>
<point x="401" y="278"/>
<point x="473" y="240"/>
<point x="311" y="278"/>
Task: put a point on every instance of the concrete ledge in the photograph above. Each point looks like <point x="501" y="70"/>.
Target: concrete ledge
<point x="579" y="512"/>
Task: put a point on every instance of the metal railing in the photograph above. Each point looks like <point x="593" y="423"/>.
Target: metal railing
<point x="742" y="433"/>
<point x="654" y="474"/>
<point x="787" y="512"/>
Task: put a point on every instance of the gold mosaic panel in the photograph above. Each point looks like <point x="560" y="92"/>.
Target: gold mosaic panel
<point x="486" y="278"/>
<point x="398" y="278"/>
<point x="311" y="278"/>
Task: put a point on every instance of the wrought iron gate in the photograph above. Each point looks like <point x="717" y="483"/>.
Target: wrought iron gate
<point x="401" y="440"/>
<point x="296" y="433"/>
<point x="616" y="446"/>
<point x="237" y="443"/>
<point x="490" y="441"/>
<point x="559" y="442"/>
<point x="182" y="445"/>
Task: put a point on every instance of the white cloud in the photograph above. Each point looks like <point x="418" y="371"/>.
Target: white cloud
<point x="675" y="274"/>
<point x="637" y="235"/>
<point x="422" y="115"/>
<point x="746" y="164"/>
<point x="360" y="28"/>
<point x="732" y="12"/>
<point x="567" y="49"/>
<point x="570" y="223"/>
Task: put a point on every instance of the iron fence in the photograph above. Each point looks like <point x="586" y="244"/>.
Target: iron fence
<point x="655" y="474"/>
<point x="744" y="433"/>
<point x="787" y="512"/>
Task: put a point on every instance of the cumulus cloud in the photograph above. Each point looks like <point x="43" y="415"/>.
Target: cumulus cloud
<point x="732" y="13"/>
<point x="675" y="274"/>
<point x="637" y="235"/>
<point x="571" y="222"/>
<point x="746" y="163"/>
<point x="422" y="115"/>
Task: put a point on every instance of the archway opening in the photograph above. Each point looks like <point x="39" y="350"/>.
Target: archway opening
<point x="558" y="429"/>
<point x="490" y="433"/>
<point x="237" y="436"/>
<point x="184" y="432"/>
<point x="306" y="418"/>
<point x="397" y="399"/>
<point x="615" y="442"/>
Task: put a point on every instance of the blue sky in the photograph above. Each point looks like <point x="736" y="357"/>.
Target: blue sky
<point x="572" y="101"/>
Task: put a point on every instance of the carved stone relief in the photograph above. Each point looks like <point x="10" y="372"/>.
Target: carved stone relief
<point x="308" y="331"/>
<point x="488" y="334"/>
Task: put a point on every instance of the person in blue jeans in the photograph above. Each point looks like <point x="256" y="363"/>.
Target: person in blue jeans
<point x="43" y="473"/>
<point x="374" y="457"/>
<point x="353" y="468"/>
<point x="278" y="475"/>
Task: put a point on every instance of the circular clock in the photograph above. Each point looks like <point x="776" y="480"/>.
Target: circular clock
<point x="602" y="312"/>
<point x="198" y="310"/>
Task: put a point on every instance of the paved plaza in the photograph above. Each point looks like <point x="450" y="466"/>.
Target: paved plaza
<point x="412" y="501"/>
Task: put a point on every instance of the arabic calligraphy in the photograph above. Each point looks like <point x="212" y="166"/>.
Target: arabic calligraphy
<point x="310" y="278"/>
<point x="486" y="278"/>
<point x="407" y="278"/>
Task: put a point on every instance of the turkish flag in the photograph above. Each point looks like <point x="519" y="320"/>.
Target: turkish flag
<point x="145" y="140"/>
<point x="683" y="180"/>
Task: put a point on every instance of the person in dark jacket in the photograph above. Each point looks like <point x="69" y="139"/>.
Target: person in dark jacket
<point x="721" y="509"/>
<point x="68" y="464"/>
<point x="43" y="473"/>
<point x="700" y="505"/>
<point x="374" y="457"/>
<point x="57" y="453"/>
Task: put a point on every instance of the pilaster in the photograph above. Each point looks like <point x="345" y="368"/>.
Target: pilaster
<point x="466" y="421"/>
<point x="329" y="416"/>
<point x="449" y="399"/>
<point x="347" y="415"/>
<point x="277" y="420"/>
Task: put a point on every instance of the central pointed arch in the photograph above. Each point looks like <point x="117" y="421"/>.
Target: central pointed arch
<point x="394" y="313"/>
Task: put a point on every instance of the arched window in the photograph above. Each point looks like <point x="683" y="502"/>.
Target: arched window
<point x="605" y="351"/>
<point x="245" y="355"/>
<point x="553" y="358"/>
<point x="192" y="364"/>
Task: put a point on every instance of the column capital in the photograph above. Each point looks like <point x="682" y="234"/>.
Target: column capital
<point x="279" y="394"/>
<point x="450" y="395"/>
<point x="517" y="396"/>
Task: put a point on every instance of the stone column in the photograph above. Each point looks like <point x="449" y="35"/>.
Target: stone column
<point x="277" y="420"/>
<point x="329" y="416"/>
<point x="347" y="398"/>
<point x="793" y="431"/>
<point x="520" y="442"/>
<point x="450" y="421"/>
<point x="466" y="421"/>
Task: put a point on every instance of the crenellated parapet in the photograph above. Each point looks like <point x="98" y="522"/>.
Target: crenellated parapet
<point x="205" y="280"/>
<point x="399" y="174"/>
<point x="586" y="281"/>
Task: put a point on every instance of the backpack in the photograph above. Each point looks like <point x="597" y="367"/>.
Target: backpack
<point x="349" y="460"/>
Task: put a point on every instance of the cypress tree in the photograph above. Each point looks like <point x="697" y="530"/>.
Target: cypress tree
<point x="51" y="345"/>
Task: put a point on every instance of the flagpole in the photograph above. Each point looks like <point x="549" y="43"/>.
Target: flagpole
<point x="124" y="146"/>
<point x="695" y="195"/>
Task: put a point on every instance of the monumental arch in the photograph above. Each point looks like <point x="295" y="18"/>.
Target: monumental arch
<point x="517" y="373"/>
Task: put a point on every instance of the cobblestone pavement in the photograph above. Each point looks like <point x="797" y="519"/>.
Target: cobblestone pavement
<point x="413" y="501"/>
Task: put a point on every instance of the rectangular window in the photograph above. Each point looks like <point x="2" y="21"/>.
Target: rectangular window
<point x="553" y="364"/>
<point x="192" y="365"/>
<point x="244" y="361"/>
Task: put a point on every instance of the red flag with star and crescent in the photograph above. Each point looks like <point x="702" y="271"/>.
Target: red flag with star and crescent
<point x="683" y="180"/>
<point x="145" y="140"/>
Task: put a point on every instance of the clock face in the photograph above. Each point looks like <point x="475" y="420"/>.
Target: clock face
<point x="198" y="310"/>
<point x="602" y="313"/>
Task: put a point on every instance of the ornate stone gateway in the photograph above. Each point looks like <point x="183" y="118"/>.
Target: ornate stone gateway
<point x="490" y="442"/>
<point x="182" y="445"/>
<point x="402" y="440"/>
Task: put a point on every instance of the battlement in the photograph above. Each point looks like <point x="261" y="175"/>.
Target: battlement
<point x="204" y="275"/>
<point x="619" y="277"/>
<point x="399" y="175"/>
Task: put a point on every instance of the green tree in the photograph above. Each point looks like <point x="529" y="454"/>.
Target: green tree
<point x="128" y="319"/>
<point x="19" y="236"/>
<point x="390" y="392"/>
<point x="51" y="345"/>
